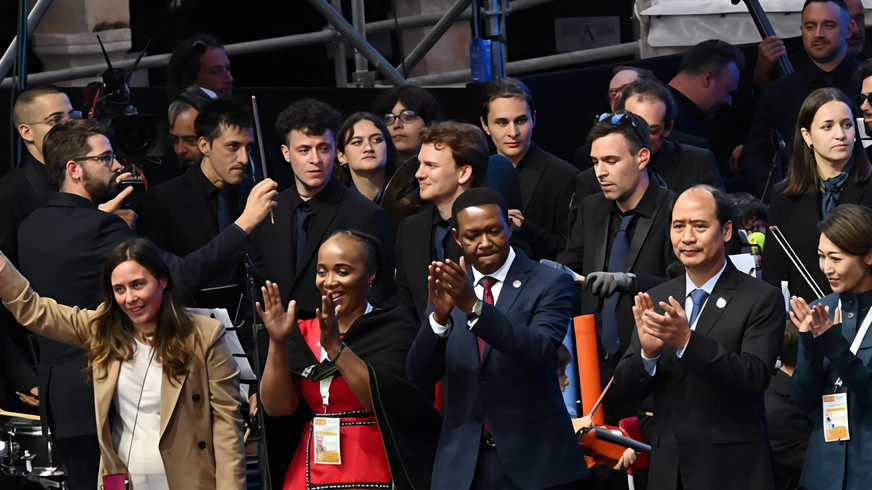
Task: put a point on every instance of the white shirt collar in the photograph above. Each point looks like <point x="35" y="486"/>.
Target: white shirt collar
<point x="500" y="274"/>
<point x="208" y="92"/>
<point x="708" y="286"/>
<point x="368" y="308"/>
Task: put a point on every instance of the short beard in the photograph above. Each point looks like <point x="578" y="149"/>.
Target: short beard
<point x="99" y="192"/>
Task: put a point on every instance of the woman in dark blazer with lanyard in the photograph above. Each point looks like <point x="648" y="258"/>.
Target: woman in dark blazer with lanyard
<point x="828" y="167"/>
<point x="833" y="377"/>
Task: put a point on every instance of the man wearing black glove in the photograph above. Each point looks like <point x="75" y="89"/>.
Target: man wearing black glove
<point x="620" y="241"/>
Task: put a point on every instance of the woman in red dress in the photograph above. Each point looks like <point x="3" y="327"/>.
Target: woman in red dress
<point x="342" y="377"/>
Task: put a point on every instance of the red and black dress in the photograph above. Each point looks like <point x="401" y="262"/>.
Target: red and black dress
<point x="395" y="444"/>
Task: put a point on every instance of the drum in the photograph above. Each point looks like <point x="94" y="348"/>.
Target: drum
<point x="26" y="449"/>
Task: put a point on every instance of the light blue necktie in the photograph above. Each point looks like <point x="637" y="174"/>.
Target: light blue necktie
<point x="698" y="296"/>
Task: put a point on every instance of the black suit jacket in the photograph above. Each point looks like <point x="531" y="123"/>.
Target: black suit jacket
<point x="336" y="208"/>
<point x="778" y="109"/>
<point x="709" y="420"/>
<point x="789" y="427"/>
<point x="22" y="191"/>
<point x="62" y="249"/>
<point x="797" y="218"/>
<point x="547" y="183"/>
<point x="649" y="256"/>
<point x="175" y="216"/>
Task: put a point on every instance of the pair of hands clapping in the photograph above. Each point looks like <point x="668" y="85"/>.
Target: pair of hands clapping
<point x="812" y="319"/>
<point x="656" y="330"/>
<point x="280" y="324"/>
<point x="449" y="286"/>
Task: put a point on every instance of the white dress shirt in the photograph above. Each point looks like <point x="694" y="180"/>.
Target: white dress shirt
<point x="689" y="286"/>
<point x="500" y="275"/>
<point x="141" y="377"/>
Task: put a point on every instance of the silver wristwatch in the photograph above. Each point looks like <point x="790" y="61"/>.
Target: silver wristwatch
<point x="476" y="310"/>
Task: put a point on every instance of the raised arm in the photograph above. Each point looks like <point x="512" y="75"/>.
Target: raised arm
<point x="280" y="390"/>
<point x="43" y="316"/>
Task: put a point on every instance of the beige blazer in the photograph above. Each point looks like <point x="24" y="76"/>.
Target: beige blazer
<point x="200" y="423"/>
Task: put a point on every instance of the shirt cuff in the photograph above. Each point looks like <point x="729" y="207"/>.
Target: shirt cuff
<point x="680" y="352"/>
<point x="438" y="329"/>
<point x="471" y="323"/>
<point x="650" y="364"/>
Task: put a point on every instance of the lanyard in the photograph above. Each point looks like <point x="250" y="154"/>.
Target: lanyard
<point x="858" y="338"/>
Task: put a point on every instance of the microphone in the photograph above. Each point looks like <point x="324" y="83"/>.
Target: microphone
<point x="778" y="146"/>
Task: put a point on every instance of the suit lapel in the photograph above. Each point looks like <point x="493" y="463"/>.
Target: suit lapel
<point x="104" y="391"/>
<point x="641" y="233"/>
<point x="518" y="274"/>
<point x="170" y="389"/>
<point x="419" y="253"/>
<point x="852" y="193"/>
<point x="199" y="207"/>
<point x="532" y="169"/>
<point x="325" y="213"/>
<point x="601" y="231"/>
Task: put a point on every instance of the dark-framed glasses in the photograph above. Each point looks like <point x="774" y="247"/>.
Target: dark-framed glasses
<point x="618" y="118"/>
<point x="407" y="117"/>
<point x="860" y="99"/>
<point x="107" y="159"/>
<point x="58" y="118"/>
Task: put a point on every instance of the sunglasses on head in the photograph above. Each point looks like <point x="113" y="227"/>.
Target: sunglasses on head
<point x="618" y="118"/>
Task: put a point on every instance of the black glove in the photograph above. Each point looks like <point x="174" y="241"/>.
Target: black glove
<point x="604" y="284"/>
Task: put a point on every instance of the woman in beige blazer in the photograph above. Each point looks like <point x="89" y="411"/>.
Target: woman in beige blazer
<point x="193" y="434"/>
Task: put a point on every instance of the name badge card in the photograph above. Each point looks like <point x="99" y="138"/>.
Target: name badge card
<point x="326" y="432"/>
<point x="836" y="417"/>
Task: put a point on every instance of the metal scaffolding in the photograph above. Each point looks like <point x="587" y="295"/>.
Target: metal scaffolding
<point x="339" y="30"/>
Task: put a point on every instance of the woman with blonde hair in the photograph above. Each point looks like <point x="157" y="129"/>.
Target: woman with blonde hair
<point x="166" y="388"/>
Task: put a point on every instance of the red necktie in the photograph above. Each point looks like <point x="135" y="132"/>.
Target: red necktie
<point x="489" y="299"/>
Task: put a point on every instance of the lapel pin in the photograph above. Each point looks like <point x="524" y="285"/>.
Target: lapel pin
<point x="850" y="315"/>
<point x="721" y="302"/>
<point x="516" y="284"/>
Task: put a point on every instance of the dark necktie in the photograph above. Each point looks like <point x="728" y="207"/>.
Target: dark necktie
<point x="225" y="217"/>
<point x="303" y="212"/>
<point x="488" y="297"/>
<point x="617" y="259"/>
<point x="698" y="297"/>
<point x="441" y="231"/>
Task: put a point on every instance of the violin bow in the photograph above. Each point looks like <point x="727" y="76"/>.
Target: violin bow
<point x="257" y="130"/>
<point x="600" y="399"/>
<point x="788" y="250"/>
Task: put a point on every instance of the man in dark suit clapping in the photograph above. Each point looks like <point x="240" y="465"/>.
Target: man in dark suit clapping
<point x="705" y="345"/>
<point x="493" y="333"/>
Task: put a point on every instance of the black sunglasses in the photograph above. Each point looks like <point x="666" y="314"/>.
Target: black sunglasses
<point x="860" y="99"/>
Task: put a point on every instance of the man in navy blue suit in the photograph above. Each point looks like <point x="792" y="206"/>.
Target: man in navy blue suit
<point x="493" y="331"/>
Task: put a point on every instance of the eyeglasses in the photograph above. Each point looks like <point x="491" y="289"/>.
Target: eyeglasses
<point x="862" y="98"/>
<point x="407" y="116"/>
<point x="106" y="159"/>
<point x="619" y="118"/>
<point x="55" y="119"/>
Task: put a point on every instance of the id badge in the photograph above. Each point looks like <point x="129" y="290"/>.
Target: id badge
<point x="326" y="432"/>
<point x="836" y="417"/>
